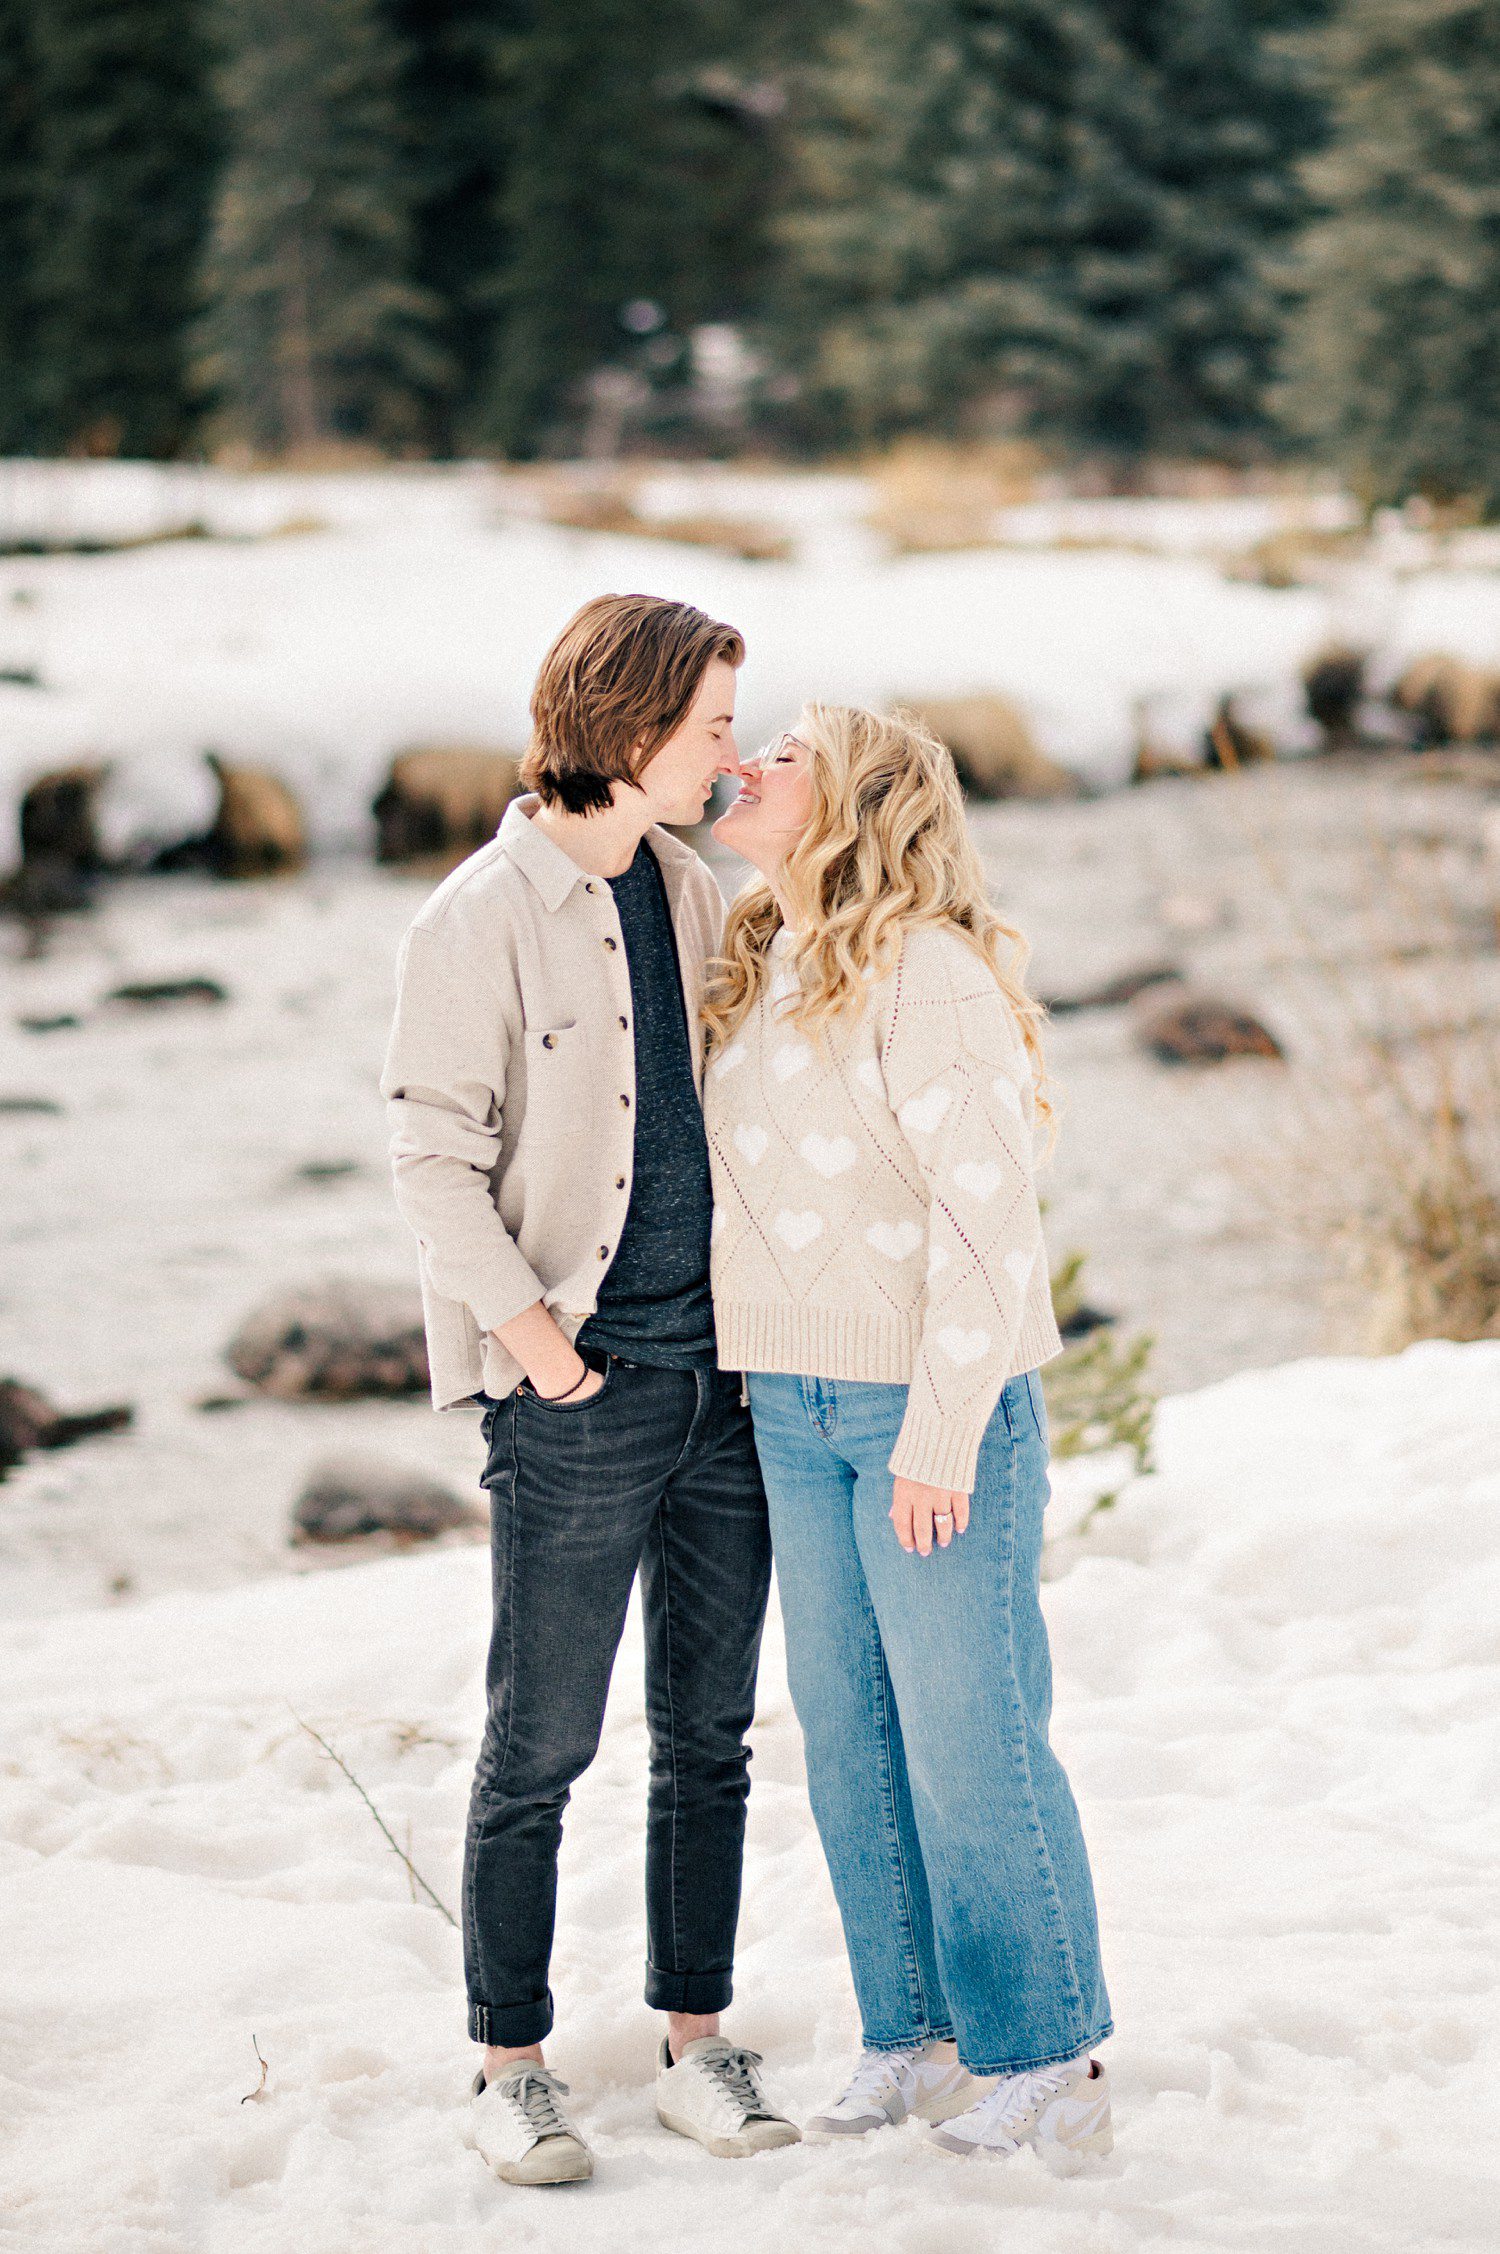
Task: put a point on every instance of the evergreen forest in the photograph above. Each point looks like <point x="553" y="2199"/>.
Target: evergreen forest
<point x="1239" y="230"/>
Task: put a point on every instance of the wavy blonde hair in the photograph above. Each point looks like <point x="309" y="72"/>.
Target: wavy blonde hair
<point x="887" y="848"/>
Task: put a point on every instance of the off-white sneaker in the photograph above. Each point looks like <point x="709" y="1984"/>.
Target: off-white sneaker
<point x="522" y="2131"/>
<point x="888" y="2086"/>
<point x="1058" y="2109"/>
<point x="713" y="2094"/>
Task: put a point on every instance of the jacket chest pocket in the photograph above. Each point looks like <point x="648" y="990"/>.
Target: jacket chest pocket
<point x="559" y="1083"/>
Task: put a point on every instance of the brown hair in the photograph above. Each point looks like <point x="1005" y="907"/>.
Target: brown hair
<point x="619" y="679"/>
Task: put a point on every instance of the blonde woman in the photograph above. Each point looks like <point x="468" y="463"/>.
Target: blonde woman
<point x="878" y="1270"/>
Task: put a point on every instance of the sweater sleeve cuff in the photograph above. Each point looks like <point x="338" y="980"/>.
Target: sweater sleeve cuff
<point x="938" y="1451"/>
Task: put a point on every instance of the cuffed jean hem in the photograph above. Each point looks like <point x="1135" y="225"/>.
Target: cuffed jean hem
<point x="688" y="1991"/>
<point x="1035" y="2065"/>
<point x="913" y="2042"/>
<point x="510" y="2026"/>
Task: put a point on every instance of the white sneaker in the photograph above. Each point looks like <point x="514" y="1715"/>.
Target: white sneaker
<point x="522" y="2131"/>
<point x="713" y="2094"/>
<point x="888" y="2086"/>
<point x="1058" y="2109"/>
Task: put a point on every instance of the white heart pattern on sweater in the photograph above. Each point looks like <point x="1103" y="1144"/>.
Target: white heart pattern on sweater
<point x="798" y="1229"/>
<point x="898" y="1240"/>
<point x="1018" y="1266"/>
<point x="920" y="1114"/>
<point x="727" y="1059"/>
<point x="938" y="1257"/>
<point x="791" y="1059"/>
<point x="981" y="1181"/>
<point x="1009" y="1094"/>
<point x="963" y="1346"/>
<point x="867" y="1073"/>
<point x="716" y="1225"/>
<point x="829" y="1154"/>
<point x="751" y="1143"/>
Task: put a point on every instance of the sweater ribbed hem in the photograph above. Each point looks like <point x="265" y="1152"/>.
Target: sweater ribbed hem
<point x="879" y="1347"/>
<point x="818" y="1342"/>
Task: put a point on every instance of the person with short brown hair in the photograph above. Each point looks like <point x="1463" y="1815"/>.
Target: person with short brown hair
<point x="544" y="1079"/>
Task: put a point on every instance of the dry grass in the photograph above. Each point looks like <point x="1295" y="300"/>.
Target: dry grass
<point x="931" y="499"/>
<point x="611" y="507"/>
<point x="1391" y="1163"/>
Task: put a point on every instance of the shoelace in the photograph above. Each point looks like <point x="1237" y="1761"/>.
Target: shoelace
<point x="532" y="2093"/>
<point x="731" y="2072"/>
<point x="1016" y="2099"/>
<point x="874" y="2074"/>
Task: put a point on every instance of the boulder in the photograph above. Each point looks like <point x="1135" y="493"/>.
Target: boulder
<point x="28" y="1420"/>
<point x="257" y="830"/>
<point x="60" y="850"/>
<point x="1451" y="700"/>
<point x="441" y="802"/>
<point x="336" y="1340"/>
<point x="1201" y="1030"/>
<point x="346" y="1496"/>
<point x="993" y="748"/>
<point x="1333" y="681"/>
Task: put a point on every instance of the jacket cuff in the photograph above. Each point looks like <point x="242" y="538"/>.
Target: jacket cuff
<point x="506" y="1289"/>
<point x="938" y="1451"/>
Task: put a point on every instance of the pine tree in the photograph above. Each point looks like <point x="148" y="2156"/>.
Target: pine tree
<point x="1399" y="336"/>
<point x="121" y="146"/>
<point x="457" y="131"/>
<point x="1063" y="216"/>
<point x="314" y="329"/>
<point x="637" y="175"/>
<point x="1205" y="109"/>
<point x="17" y="228"/>
<point x="929" y="241"/>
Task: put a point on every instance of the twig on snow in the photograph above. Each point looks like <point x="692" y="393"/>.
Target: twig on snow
<point x="260" y="2088"/>
<point x="381" y="1825"/>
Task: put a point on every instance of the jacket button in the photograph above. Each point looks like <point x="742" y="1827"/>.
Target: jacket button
<point x="619" y="1181"/>
<point x="625" y="1103"/>
<point x="624" y="1025"/>
<point x="591" y="888"/>
<point x="604" y="1251"/>
<point x="609" y="943"/>
<point x="548" y="1042"/>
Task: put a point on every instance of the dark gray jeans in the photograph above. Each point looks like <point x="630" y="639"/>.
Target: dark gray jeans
<point x="655" y="1472"/>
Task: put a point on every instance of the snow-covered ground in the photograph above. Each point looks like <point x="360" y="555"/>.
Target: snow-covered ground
<point x="1276" y="1694"/>
<point x="330" y="619"/>
<point x="1276" y="1657"/>
<point x="164" y="1196"/>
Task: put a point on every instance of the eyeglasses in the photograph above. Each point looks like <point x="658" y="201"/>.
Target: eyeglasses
<point x="767" y="752"/>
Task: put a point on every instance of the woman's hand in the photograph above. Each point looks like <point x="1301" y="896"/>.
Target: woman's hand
<point x="914" y="1510"/>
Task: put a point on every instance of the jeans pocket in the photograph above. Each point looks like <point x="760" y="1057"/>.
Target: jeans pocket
<point x="567" y="1408"/>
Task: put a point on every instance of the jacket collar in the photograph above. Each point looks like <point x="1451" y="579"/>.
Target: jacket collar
<point x="554" y="873"/>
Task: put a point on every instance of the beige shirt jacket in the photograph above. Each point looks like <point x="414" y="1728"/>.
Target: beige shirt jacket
<point x="510" y="1081"/>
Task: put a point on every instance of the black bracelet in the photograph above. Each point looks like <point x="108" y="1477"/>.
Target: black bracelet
<point x="551" y="1399"/>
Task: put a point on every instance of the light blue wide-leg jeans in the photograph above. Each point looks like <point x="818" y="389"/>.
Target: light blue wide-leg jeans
<point x="924" y="1689"/>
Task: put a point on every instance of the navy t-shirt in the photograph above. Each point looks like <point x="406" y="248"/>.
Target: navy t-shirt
<point x="654" y="1304"/>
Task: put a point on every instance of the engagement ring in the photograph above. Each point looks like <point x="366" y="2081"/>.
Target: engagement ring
<point x="942" y="1518"/>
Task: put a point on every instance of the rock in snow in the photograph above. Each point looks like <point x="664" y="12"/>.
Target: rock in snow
<point x="1275" y="1693"/>
<point x="339" y="1340"/>
<point x="349" y="1495"/>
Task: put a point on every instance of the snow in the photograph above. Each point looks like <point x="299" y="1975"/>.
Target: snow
<point x="330" y="619"/>
<point x="1276" y="1688"/>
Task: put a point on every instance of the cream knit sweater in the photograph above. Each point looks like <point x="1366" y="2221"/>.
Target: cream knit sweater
<point x="874" y="1210"/>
